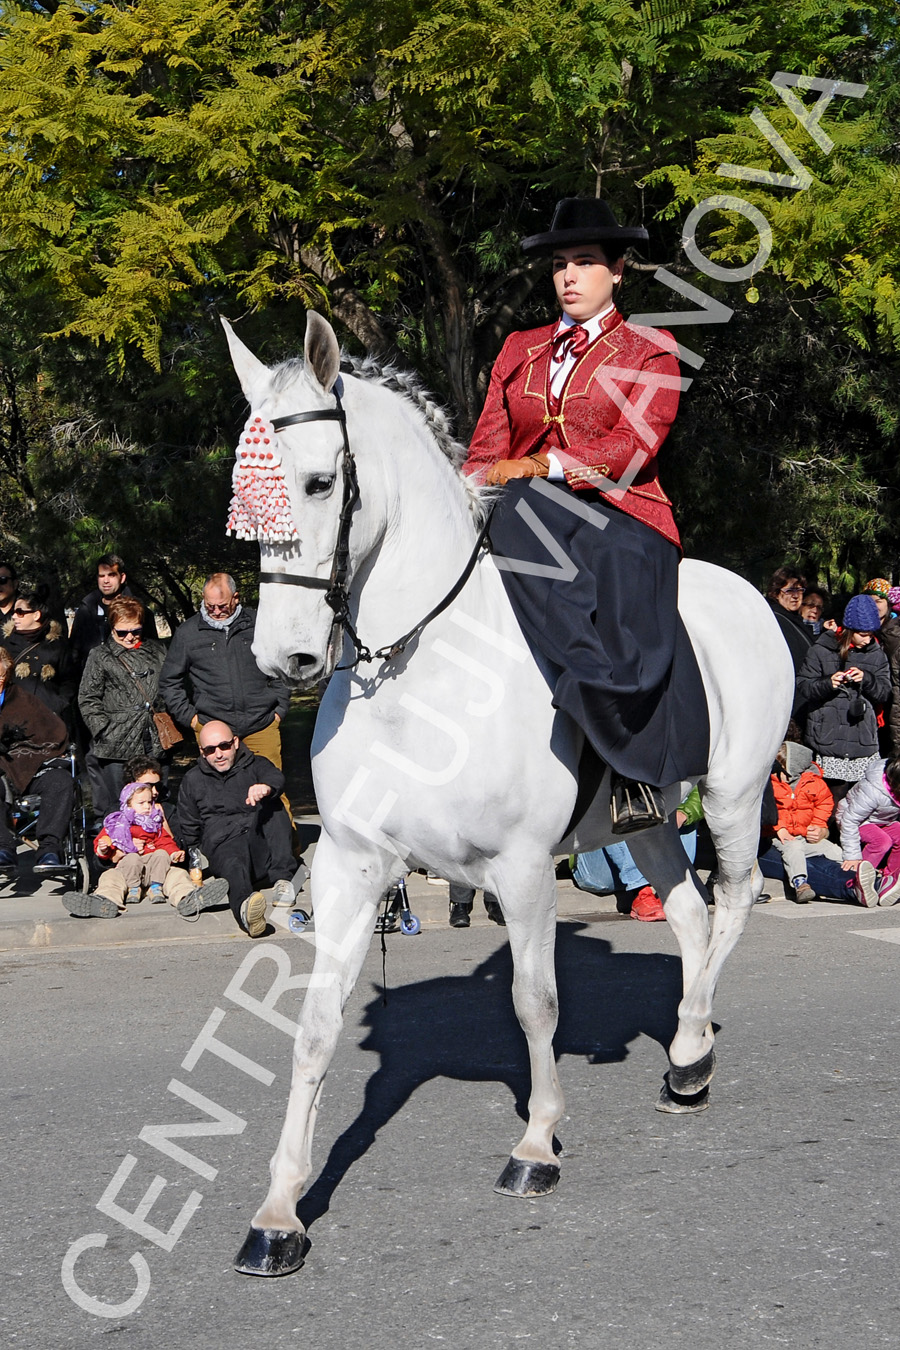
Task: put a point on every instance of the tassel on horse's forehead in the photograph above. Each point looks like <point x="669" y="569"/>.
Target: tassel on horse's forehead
<point x="260" y="506"/>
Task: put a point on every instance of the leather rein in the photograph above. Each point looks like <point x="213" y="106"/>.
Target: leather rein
<point x="337" y="596"/>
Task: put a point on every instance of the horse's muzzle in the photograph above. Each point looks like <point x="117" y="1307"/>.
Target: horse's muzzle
<point x="303" y="669"/>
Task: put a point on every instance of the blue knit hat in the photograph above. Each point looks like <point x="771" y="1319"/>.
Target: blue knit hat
<point x="861" y="615"/>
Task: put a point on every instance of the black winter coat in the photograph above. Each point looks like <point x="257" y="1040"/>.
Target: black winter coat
<point x="41" y="663"/>
<point x="795" y="633"/>
<point x="212" y="806"/>
<point x="211" y="673"/>
<point x="115" y="707"/>
<point x="890" y="638"/>
<point x="842" y="721"/>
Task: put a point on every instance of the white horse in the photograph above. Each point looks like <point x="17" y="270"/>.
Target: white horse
<point x="450" y="755"/>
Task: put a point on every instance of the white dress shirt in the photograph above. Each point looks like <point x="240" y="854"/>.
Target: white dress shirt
<point x="561" y="370"/>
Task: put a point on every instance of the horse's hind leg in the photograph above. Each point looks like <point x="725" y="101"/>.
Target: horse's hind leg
<point x="660" y="855"/>
<point x="528" y="898"/>
<point x="345" y="897"/>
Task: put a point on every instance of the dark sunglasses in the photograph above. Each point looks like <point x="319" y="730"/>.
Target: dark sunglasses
<point x="5" y="578"/>
<point x="26" y="611"/>
<point x="220" y="745"/>
<point x="128" y="632"/>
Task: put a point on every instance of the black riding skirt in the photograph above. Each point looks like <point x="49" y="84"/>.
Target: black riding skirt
<point x="607" y="620"/>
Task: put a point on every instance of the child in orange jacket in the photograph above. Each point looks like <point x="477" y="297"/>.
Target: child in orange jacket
<point x="804" y="804"/>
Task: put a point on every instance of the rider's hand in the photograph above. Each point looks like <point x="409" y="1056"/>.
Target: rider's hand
<point x="257" y="792"/>
<point x="851" y="864"/>
<point x="532" y="466"/>
<point x="816" y="833"/>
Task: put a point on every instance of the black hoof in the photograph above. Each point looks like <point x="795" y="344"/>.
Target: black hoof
<point x="687" y="1080"/>
<point x="527" y="1178"/>
<point x="271" y="1252"/>
<point x="675" y="1104"/>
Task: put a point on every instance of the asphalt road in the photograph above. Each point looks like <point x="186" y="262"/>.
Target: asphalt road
<point x="770" y="1220"/>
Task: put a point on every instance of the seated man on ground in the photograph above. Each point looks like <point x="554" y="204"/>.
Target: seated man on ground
<point x="33" y="745"/>
<point x="229" y="806"/>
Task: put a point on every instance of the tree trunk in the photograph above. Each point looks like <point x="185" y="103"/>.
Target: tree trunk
<point x="456" y="319"/>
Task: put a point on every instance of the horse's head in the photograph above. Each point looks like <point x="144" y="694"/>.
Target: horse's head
<point x="288" y="492"/>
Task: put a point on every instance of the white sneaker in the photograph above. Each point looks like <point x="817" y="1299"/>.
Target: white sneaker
<point x="253" y="914"/>
<point x="282" y="893"/>
<point x="866" y="885"/>
<point x="890" y="893"/>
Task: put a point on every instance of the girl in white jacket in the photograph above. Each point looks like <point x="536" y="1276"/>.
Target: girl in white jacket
<point x="869" y="821"/>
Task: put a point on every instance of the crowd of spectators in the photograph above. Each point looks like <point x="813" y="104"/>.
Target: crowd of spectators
<point x="830" y="824"/>
<point x="831" y="817"/>
<point x="105" y="688"/>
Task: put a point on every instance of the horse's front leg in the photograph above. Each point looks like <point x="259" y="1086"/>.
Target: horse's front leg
<point x="528" y="900"/>
<point x="345" y="898"/>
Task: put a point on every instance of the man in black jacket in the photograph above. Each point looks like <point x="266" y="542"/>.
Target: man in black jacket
<point x="211" y="672"/>
<point x="90" y="624"/>
<point x="229" y="806"/>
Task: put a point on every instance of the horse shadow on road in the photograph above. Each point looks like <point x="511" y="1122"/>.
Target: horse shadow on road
<point x="464" y="1027"/>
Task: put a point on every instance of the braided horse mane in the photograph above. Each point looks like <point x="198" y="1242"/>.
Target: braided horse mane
<point x="408" y="385"/>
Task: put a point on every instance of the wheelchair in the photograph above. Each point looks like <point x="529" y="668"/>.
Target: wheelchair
<point x="23" y="812"/>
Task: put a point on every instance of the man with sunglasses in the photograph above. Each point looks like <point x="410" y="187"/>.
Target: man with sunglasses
<point x="229" y="806"/>
<point x="210" y="672"/>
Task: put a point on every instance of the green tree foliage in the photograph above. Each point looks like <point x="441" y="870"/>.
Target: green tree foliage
<point x="165" y="159"/>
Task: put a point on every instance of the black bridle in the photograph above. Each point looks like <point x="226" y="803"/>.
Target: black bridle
<point x="337" y="597"/>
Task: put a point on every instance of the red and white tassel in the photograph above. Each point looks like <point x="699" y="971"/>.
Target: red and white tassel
<point x="260" y="506"/>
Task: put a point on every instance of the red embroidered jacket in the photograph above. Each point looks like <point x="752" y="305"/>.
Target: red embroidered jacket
<point x="614" y="412"/>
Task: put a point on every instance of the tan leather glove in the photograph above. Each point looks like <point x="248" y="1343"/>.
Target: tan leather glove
<point x="532" y="466"/>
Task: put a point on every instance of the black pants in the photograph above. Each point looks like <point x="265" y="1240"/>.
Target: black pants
<point x="465" y="895"/>
<point x="260" y="854"/>
<point x="624" y="668"/>
<point x="57" y="791"/>
<point x="107" y="778"/>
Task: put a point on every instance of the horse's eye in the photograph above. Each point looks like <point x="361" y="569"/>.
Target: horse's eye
<point x="319" y="485"/>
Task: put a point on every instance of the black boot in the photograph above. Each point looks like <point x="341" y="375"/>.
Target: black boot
<point x="461" y="899"/>
<point x="493" y="910"/>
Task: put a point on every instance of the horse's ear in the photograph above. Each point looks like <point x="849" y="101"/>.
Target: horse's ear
<point x="323" y="355"/>
<point x="251" y="372"/>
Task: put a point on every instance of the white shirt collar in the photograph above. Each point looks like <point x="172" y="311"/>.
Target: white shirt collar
<point x="591" y="326"/>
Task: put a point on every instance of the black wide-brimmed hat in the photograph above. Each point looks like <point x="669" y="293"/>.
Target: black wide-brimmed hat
<point x="583" y="220"/>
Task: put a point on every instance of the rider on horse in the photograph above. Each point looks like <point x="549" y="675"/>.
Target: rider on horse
<point x="585" y="403"/>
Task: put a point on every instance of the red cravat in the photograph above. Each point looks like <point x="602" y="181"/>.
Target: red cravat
<point x="574" y="340"/>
